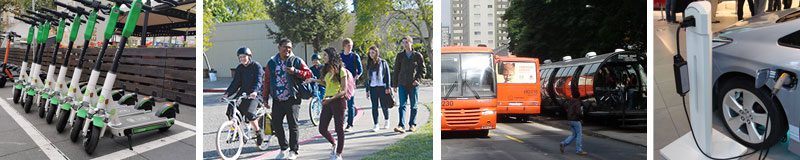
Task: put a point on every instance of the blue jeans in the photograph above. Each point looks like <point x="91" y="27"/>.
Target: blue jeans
<point x="577" y="135"/>
<point x="411" y="95"/>
<point x="379" y="100"/>
<point x="670" y="12"/>
<point x="351" y="111"/>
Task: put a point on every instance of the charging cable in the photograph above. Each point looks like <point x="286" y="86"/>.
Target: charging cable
<point x="680" y="71"/>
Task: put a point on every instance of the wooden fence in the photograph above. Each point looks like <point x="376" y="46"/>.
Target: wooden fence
<point x="166" y="72"/>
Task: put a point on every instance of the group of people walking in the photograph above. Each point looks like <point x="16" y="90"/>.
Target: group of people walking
<point x="332" y="72"/>
<point x="756" y="7"/>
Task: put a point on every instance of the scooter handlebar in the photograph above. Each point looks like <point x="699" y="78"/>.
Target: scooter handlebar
<point x="25" y="20"/>
<point x="94" y="5"/>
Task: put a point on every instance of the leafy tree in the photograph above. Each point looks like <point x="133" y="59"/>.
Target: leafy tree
<point x="312" y="22"/>
<point x="553" y="29"/>
<point x="223" y="11"/>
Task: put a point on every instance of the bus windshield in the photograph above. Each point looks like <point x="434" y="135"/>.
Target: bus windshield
<point x="516" y="72"/>
<point x="468" y="75"/>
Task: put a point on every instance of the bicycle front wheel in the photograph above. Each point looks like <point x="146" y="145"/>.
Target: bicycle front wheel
<point x="314" y="109"/>
<point x="229" y="140"/>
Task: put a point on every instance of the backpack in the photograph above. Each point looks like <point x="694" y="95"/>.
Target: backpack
<point x="303" y="91"/>
<point x="350" y="86"/>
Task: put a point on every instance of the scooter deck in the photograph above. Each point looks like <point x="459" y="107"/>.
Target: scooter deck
<point x="140" y="121"/>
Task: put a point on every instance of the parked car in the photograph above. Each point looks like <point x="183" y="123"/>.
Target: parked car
<point x="771" y="40"/>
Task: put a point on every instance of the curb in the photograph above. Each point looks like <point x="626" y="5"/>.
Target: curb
<point x="539" y="119"/>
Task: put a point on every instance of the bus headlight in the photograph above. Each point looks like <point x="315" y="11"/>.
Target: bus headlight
<point x="487" y="112"/>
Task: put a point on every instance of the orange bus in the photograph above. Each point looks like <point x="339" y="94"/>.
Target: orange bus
<point x="468" y="89"/>
<point x="518" y="87"/>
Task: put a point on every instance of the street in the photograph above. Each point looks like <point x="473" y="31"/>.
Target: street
<point x="533" y="140"/>
<point x="26" y="136"/>
<point x="359" y="143"/>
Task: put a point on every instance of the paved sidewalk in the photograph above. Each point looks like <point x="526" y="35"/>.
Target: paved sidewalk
<point x="359" y="143"/>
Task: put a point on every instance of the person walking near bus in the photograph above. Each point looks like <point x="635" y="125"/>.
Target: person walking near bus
<point x="352" y="62"/>
<point x="407" y="74"/>
<point x="316" y="70"/>
<point x="377" y="84"/>
<point x="334" y="104"/>
<point x="284" y="71"/>
<point x="574" y="115"/>
<point x="246" y="80"/>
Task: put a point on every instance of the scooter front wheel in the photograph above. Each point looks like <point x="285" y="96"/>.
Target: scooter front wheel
<point x="63" y="117"/>
<point x="17" y="94"/>
<point x="94" y="138"/>
<point x="28" y="103"/>
<point x="75" y="131"/>
<point x="50" y="113"/>
<point x="41" y="105"/>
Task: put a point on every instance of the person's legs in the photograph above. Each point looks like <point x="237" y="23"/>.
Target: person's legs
<point x="291" y="119"/>
<point x="739" y="9"/>
<point x="787" y="4"/>
<point x="670" y="12"/>
<point x="402" y="105"/>
<point x="325" y="120"/>
<point x="338" y="121"/>
<point x="278" y="113"/>
<point x="374" y="98"/>
<point x="571" y="137"/>
<point x="413" y="103"/>
<point x="579" y="136"/>
<point x="384" y="98"/>
<point x="351" y="111"/>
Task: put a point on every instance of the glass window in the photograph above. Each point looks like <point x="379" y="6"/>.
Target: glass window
<point x="468" y="75"/>
<point x="791" y="40"/>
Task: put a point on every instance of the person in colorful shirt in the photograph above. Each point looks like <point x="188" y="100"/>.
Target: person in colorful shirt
<point x="283" y="72"/>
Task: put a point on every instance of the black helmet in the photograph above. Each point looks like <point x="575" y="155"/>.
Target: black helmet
<point x="244" y="50"/>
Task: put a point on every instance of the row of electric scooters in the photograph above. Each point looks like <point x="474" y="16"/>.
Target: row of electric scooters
<point x="90" y="115"/>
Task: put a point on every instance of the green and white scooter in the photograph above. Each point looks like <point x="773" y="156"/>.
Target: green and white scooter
<point x="66" y="111"/>
<point x="44" y="92"/>
<point x="108" y="119"/>
<point x="32" y="90"/>
<point x="23" y="81"/>
<point x="51" y="83"/>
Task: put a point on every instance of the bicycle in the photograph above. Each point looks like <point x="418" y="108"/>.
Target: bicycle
<point x="315" y="106"/>
<point x="237" y="131"/>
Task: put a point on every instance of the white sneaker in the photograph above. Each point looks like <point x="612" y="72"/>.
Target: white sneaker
<point x="291" y="155"/>
<point x="339" y="157"/>
<point x="376" y="128"/>
<point x="333" y="151"/>
<point x="281" y="154"/>
<point x="385" y="124"/>
<point x="347" y="129"/>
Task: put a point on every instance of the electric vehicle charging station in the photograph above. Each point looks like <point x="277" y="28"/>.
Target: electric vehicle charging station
<point x="698" y="75"/>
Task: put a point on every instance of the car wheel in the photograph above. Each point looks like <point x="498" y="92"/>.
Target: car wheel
<point x="745" y="111"/>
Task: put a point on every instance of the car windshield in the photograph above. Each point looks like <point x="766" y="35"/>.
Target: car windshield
<point x="467" y="75"/>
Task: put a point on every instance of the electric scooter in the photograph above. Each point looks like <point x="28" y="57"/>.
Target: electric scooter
<point x="66" y="111"/>
<point x="23" y="81"/>
<point x="50" y="87"/>
<point x="6" y="67"/>
<point x="108" y="119"/>
<point x="44" y="92"/>
<point x="32" y="90"/>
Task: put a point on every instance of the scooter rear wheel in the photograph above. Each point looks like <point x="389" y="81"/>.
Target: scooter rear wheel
<point x="63" y="117"/>
<point x="94" y="138"/>
<point x="28" y="103"/>
<point x="17" y="94"/>
<point x="75" y="131"/>
<point x="50" y="112"/>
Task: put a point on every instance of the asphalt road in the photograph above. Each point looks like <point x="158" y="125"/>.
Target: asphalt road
<point x="26" y="136"/>
<point x="532" y="140"/>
